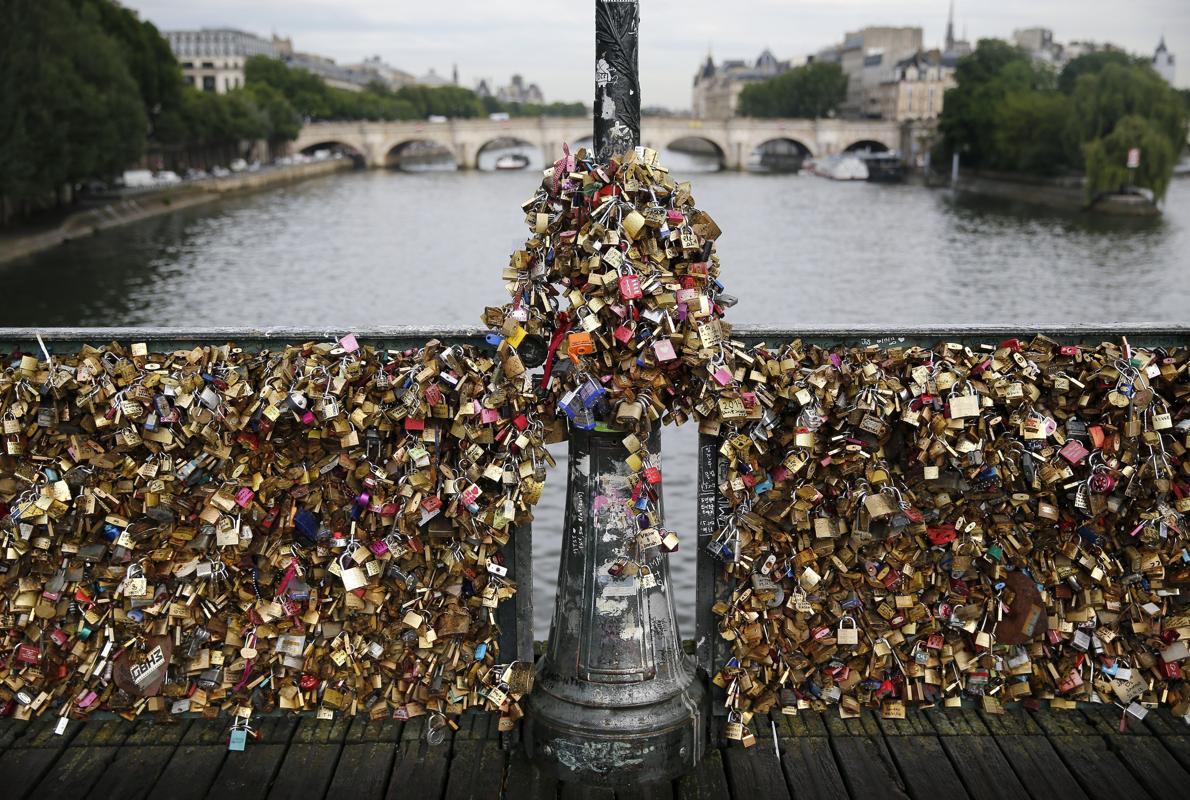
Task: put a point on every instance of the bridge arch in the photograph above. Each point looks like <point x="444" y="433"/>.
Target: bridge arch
<point x="488" y="156"/>
<point x="779" y="154"/>
<point x="334" y="146"/>
<point x="419" y="154"/>
<point x="702" y="153"/>
<point x="869" y="145"/>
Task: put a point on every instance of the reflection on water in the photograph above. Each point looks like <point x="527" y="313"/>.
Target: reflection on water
<point x="381" y="248"/>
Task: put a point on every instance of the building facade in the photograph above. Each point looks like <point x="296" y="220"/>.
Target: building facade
<point x="1163" y="63"/>
<point x="717" y="88"/>
<point x="916" y="86"/>
<point x="865" y="56"/>
<point x="517" y="91"/>
<point x="212" y="59"/>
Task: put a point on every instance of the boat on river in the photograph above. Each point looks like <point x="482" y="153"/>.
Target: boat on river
<point x="511" y="161"/>
<point x="844" y="167"/>
<point x="885" y="167"/>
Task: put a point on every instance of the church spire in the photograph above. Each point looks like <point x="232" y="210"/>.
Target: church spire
<point x="950" y="29"/>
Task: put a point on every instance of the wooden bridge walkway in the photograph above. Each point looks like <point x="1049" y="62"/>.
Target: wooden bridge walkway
<point x="937" y="754"/>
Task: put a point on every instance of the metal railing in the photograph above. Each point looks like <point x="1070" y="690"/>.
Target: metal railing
<point x="516" y="618"/>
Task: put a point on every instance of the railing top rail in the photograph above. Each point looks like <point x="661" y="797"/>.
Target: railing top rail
<point x="843" y="333"/>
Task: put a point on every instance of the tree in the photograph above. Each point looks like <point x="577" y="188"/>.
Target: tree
<point x="812" y="91"/>
<point x="1089" y="64"/>
<point x="1103" y="98"/>
<point x="1032" y="134"/>
<point x="145" y="51"/>
<point x="1107" y="158"/>
<point x="70" y="111"/>
<point x="971" y="110"/>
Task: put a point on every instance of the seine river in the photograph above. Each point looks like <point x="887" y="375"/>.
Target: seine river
<point x="381" y="248"/>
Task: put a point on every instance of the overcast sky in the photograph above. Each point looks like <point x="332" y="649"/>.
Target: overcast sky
<point x="551" y="42"/>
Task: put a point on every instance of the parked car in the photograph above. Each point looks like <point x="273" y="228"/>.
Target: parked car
<point x="498" y="116"/>
<point x="166" y="178"/>
<point x="138" y="178"/>
<point x="436" y="118"/>
<point x="220" y="172"/>
<point x="239" y="165"/>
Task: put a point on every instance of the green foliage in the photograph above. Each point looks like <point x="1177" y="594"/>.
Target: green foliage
<point x="1107" y="158"/>
<point x="1104" y="98"/>
<point x="809" y="91"/>
<point x="492" y="105"/>
<point x="314" y="100"/>
<point x="146" y="52"/>
<point x="1089" y="64"/>
<point x="1032" y="134"/>
<point x="971" y="111"/>
<point x="1009" y="113"/>
<point x="69" y="109"/>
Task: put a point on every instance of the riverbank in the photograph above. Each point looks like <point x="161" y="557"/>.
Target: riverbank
<point x="1067" y="194"/>
<point x="144" y="205"/>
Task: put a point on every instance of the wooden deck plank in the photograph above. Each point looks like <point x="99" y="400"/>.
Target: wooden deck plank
<point x="1097" y="769"/>
<point x="476" y="770"/>
<point x="1105" y="720"/>
<point x="927" y="771"/>
<point x="250" y="773"/>
<point x="526" y="780"/>
<point x="363" y="770"/>
<point x="867" y="767"/>
<point x="141" y="759"/>
<point x="1163" y="723"/>
<point x="195" y="762"/>
<point x="810" y="769"/>
<point x="420" y="768"/>
<point x="754" y="771"/>
<point x="32" y="755"/>
<point x="982" y="767"/>
<point x="645" y="791"/>
<point x="708" y="781"/>
<point x="1015" y="721"/>
<point x="956" y="721"/>
<point x="1064" y="723"/>
<point x="581" y="791"/>
<point x="309" y="763"/>
<point x="11" y="730"/>
<point x="1039" y="768"/>
<point x="133" y="773"/>
<point x="804" y="723"/>
<point x="84" y="760"/>
<point x="1152" y="765"/>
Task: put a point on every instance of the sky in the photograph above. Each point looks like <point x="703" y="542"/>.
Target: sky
<point x="551" y="42"/>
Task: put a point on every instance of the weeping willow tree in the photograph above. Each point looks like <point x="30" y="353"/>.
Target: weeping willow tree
<point x="1107" y="158"/>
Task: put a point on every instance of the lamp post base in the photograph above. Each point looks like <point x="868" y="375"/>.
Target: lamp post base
<point x="616" y="700"/>
<point x="616" y="746"/>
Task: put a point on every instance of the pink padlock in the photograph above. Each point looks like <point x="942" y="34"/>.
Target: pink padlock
<point x="1103" y="482"/>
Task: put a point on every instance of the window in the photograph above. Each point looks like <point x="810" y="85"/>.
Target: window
<point x="208" y="65"/>
<point x="188" y="80"/>
<point x="208" y="83"/>
<point x="187" y="65"/>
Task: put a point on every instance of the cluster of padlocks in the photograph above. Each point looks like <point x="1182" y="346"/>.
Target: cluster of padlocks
<point x="320" y="528"/>
<point x="317" y="528"/>
<point x="625" y="248"/>
<point x="916" y="525"/>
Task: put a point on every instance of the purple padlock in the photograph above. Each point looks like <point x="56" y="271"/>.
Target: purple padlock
<point x="1103" y="482"/>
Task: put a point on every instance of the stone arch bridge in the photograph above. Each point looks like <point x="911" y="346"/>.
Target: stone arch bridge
<point x="734" y="140"/>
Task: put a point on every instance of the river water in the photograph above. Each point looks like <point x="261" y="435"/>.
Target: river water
<point x="383" y="248"/>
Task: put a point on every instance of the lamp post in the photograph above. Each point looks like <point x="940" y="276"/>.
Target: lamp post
<point x="615" y="700"/>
